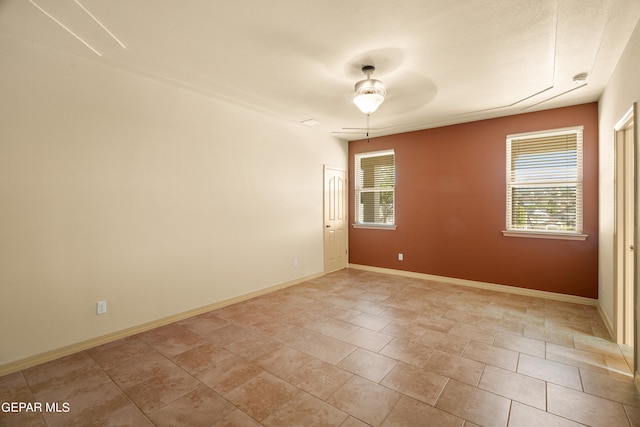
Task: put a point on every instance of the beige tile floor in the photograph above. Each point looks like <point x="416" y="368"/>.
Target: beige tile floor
<point x="352" y="348"/>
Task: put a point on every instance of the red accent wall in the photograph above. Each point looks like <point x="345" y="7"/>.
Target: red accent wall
<point x="450" y="207"/>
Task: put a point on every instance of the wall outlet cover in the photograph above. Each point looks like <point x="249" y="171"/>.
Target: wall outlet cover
<point x="101" y="307"/>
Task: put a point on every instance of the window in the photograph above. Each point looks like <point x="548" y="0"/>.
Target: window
<point x="375" y="178"/>
<point x="544" y="184"/>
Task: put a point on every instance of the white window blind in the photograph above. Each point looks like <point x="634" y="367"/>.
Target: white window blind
<point x="544" y="181"/>
<point x="375" y="176"/>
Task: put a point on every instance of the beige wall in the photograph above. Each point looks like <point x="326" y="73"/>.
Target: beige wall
<point x="621" y="92"/>
<point x="156" y="199"/>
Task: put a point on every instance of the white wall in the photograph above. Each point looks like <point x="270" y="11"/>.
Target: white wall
<point x="622" y="91"/>
<point x="156" y="199"/>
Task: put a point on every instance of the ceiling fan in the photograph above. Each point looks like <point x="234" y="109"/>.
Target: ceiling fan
<point x="368" y="96"/>
<point x="369" y="93"/>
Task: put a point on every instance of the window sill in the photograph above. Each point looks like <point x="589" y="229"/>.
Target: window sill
<point x="544" y="235"/>
<point x="375" y="226"/>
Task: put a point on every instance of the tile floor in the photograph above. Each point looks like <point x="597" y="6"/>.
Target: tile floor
<point x="352" y="348"/>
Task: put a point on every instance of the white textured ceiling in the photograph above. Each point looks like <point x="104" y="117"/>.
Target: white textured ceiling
<point x="442" y="61"/>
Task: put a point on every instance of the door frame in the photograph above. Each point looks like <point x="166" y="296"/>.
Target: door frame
<point x="624" y="223"/>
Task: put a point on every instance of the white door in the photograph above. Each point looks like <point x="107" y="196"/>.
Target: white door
<point x="335" y="219"/>
<point x="625" y="230"/>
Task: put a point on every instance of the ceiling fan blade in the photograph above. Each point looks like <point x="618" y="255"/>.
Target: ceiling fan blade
<point x="349" y="133"/>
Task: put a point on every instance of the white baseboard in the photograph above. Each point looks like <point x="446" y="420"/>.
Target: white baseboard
<point x="48" y="356"/>
<point x="483" y="285"/>
<point x="607" y="322"/>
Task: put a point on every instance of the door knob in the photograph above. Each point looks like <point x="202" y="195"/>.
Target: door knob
<point x="327" y="226"/>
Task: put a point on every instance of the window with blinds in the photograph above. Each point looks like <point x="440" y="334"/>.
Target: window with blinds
<point x="375" y="179"/>
<point x="544" y="181"/>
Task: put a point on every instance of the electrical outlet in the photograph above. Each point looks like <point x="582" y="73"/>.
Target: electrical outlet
<point x="400" y="257"/>
<point x="101" y="307"/>
<point x="295" y="262"/>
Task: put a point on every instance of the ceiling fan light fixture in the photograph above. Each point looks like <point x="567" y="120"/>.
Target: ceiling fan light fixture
<point x="369" y="93"/>
<point x="368" y="102"/>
